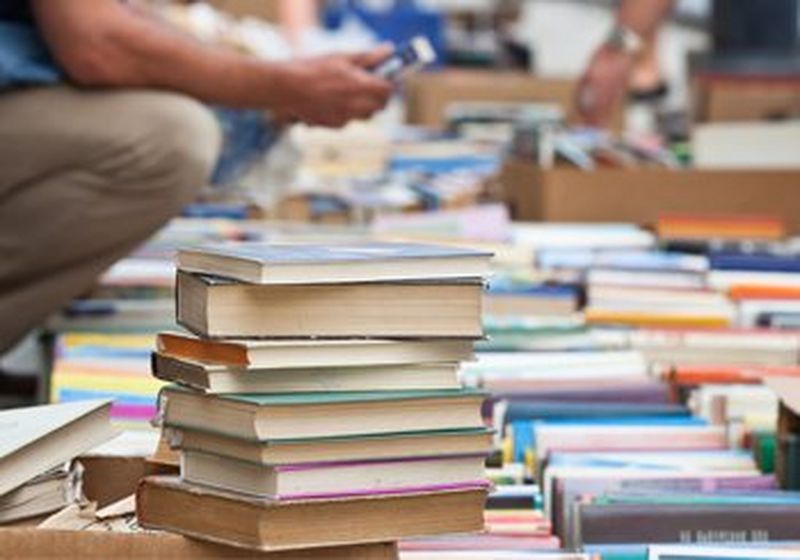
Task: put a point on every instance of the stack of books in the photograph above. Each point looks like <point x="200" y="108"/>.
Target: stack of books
<point x="318" y="402"/>
<point x="38" y="475"/>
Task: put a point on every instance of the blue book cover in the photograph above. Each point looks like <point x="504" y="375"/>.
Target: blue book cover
<point x="550" y="410"/>
<point x="77" y="395"/>
<point x="622" y="260"/>
<point x="758" y="262"/>
<point x="506" y="287"/>
<point x="642" y="460"/>
<point x="279" y="254"/>
<point x="524" y="431"/>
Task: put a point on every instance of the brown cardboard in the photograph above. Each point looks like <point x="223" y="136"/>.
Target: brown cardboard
<point x="267" y="10"/>
<point x="643" y="195"/>
<point x="746" y="100"/>
<point x="429" y="94"/>
<point x="32" y="543"/>
<point x="787" y="390"/>
<point x="109" y="479"/>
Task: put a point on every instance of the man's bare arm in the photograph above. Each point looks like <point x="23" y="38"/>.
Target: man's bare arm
<point x="644" y="17"/>
<point x="104" y="43"/>
<point x="604" y="84"/>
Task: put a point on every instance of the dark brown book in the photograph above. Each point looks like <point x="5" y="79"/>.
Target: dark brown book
<point x="687" y="523"/>
<point x="216" y="308"/>
<point x="166" y="503"/>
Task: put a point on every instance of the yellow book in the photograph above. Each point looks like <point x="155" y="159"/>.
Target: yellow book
<point x="143" y="341"/>
<point x="144" y="386"/>
<point x="656" y="319"/>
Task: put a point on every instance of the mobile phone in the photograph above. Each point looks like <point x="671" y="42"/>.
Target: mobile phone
<point x="409" y="57"/>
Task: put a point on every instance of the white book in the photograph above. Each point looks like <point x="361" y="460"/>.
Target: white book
<point x="581" y="236"/>
<point x="747" y="145"/>
<point x="750" y="311"/>
<point x="37" y="439"/>
<point x="677" y="280"/>
<point x="312" y="481"/>
<point x="547" y="366"/>
<point x="724" y="280"/>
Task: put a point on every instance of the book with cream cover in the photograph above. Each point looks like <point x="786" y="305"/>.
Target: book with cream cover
<point x="437" y="443"/>
<point x="219" y="379"/>
<point x="319" y="415"/>
<point x="318" y="481"/>
<point x="36" y="439"/>
<point x="217" y="308"/>
<point x="291" y="354"/>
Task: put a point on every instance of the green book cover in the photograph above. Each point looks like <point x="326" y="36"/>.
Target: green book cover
<point x="698" y="499"/>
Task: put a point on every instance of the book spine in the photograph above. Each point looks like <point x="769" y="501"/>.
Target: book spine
<point x="686" y="523"/>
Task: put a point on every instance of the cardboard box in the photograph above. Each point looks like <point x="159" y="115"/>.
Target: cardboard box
<point x="109" y="479"/>
<point x="739" y="100"/>
<point x="429" y="94"/>
<point x="643" y="195"/>
<point x="31" y="543"/>
<point x="268" y="10"/>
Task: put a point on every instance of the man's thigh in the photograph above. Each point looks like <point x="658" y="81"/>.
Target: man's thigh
<point x="84" y="173"/>
<point x="112" y="134"/>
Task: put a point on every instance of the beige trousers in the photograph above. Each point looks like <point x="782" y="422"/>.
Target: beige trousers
<point x="84" y="178"/>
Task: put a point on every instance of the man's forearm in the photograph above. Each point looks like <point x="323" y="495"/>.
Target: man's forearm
<point x="118" y="48"/>
<point x="644" y="17"/>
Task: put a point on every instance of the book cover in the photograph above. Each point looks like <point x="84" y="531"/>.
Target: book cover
<point x="342" y="398"/>
<point x="165" y="503"/>
<point x="755" y="262"/>
<point x="694" y="523"/>
<point x="295" y="263"/>
<point x="277" y="254"/>
<point x="31" y="436"/>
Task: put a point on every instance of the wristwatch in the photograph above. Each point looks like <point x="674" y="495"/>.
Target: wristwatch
<point x="625" y="39"/>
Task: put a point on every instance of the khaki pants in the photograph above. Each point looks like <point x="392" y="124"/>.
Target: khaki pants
<point x="84" y="178"/>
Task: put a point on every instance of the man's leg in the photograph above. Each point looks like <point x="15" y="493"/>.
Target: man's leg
<point x="84" y="178"/>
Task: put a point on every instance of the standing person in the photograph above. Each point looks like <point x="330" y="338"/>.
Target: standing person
<point x="104" y="135"/>
<point x="737" y="26"/>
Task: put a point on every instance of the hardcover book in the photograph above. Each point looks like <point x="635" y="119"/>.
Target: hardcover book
<point x="310" y="415"/>
<point x="167" y="504"/>
<point x="273" y="263"/>
<point x="37" y="439"/>
<point x="217" y="308"/>
<point x="319" y="481"/>
<point x="290" y="354"/>
<point x="440" y="443"/>
<point x="217" y="379"/>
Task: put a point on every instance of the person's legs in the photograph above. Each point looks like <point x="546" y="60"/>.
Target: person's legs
<point x="84" y="178"/>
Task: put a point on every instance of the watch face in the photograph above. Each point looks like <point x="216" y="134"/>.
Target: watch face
<point x="625" y="40"/>
<point x="615" y="40"/>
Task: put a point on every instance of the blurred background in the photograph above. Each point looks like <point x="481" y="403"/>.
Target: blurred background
<point x="707" y="126"/>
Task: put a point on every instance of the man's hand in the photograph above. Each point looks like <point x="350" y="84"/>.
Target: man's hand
<point x="604" y="85"/>
<point x="334" y="90"/>
<point x="114" y="46"/>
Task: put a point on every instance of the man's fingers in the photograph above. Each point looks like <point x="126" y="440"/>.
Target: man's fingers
<point x="370" y="59"/>
<point x="373" y="86"/>
<point x="364" y="108"/>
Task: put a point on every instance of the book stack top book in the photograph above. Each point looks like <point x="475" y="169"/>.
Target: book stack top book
<point x="317" y="401"/>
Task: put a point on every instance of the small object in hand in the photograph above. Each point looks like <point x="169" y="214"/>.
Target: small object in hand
<point x="412" y="56"/>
